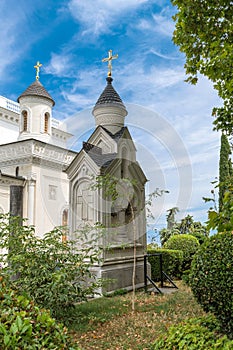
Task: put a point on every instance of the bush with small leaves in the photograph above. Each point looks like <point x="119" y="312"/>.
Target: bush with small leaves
<point x="24" y="326"/>
<point x="53" y="273"/>
<point x="171" y="262"/>
<point x="211" y="278"/>
<point x="195" y="334"/>
<point x="188" y="244"/>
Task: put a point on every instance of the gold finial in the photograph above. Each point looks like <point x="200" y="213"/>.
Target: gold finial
<point x="109" y="60"/>
<point x="37" y="66"/>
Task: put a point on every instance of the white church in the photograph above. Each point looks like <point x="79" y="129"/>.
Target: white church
<point x="49" y="185"/>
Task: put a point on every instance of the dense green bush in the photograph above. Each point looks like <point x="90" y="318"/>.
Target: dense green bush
<point x="188" y="244"/>
<point x="211" y="278"/>
<point x="194" y="334"/>
<point x="51" y="272"/>
<point x="24" y="326"/>
<point x="172" y="262"/>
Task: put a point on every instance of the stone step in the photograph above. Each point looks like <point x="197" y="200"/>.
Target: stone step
<point x="164" y="290"/>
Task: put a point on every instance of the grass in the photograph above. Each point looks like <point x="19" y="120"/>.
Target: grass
<point x="109" y="324"/>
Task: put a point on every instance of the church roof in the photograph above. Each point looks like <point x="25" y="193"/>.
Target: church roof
<point x="109" y="96"/>
<point x="117" y="136"/>
<point x="95" y="152"/>
<point x="36" y="89"/>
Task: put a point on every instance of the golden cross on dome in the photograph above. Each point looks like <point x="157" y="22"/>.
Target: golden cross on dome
<point x="37" y="66"/>
<point x="109" y="60"/>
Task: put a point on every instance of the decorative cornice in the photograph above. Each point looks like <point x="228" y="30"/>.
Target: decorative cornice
<point x="9" y="116"/>
<point x="33" y="151"/>
<point x="60" y="134"/>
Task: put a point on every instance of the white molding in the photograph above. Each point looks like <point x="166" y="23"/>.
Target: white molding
<point x="36" y="152"/>
<point x="9" y="117"/>
<point x="101" y="135"/>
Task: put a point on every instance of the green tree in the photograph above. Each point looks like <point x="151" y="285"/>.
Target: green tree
<point x="186" y="226"/>
<point x="225" y="168"/>
<point x="222" y="221"/>
<point x="194" y="228"/>
<point x="204" y="33"/>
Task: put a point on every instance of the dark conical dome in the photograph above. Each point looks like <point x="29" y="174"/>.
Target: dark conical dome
<point x="109" y="110"/>
<point x="36" y="89"/>
<point x="109" y="96"/>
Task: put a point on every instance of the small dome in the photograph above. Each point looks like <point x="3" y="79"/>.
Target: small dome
<point x="36" y="89"/>
<point x="109" y="96"/>
<point x="109" y="110"/>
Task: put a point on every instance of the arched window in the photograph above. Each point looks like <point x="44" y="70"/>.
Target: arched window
<point x="17" y="171"/>
<point x="24" y="121"/>
<point x="64" y="224"/>
<point x="46" y="123"/>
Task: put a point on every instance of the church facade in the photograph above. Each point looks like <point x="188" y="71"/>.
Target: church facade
<point x="50" y="185"/>
<point x="33" y="158"/>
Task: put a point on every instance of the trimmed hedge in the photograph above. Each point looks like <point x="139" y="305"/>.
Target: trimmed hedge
<point x="195" y="334"/>
<point x="211" y="278"/>
<point x="172" y="262"/>
<point x="24" y="326"/>
<point x="188" y="244"/>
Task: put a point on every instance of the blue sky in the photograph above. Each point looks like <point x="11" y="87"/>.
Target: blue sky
<point x="169" y="119"/>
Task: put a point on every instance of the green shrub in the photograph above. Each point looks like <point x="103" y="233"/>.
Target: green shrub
<point x="24" y="326"/>
<point x="211" y="278"/>
<point x="186" y="276"/>
<point x="172" y="261"/>
<point x="188" y="244"/>
<point x="47" y="269"/>
<point x="194" y="334"/>
<point x="199" y="235"/>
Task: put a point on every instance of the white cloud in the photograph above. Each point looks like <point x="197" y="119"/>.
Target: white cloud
<point x="166" y="57"/>
<point x="60" y="65"/>
<point x="79" y="99"/>
<point x="163" y="23"/>
<point x="10" y="34"/>
<point x="20" y="27"/>
<point x="165" y="77"/>
<point x="160" y="23"/>
<point x="98" y="16"/>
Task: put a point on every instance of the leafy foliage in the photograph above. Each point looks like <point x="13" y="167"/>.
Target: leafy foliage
<point x="212" y="278"/>
<point x="172" y="262"/>
<point x="185" y="226"/>
<point x="51" y="272"/>
<point x="188" y="244"/>
<point x="225" y="168"/>
<point x="194" y="334"/>
<point x="222" y="220"/>
<point x="24" y="326"/>
<point x="204" y="33"/>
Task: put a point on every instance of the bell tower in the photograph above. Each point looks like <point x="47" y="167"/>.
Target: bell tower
<point x="35" y="111"/>
<point x="109" y="111"/>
